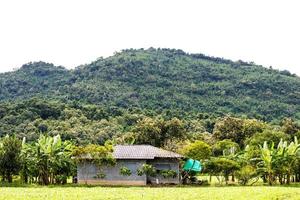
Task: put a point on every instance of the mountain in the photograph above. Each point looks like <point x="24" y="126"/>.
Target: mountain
<point x="162" y="80"/>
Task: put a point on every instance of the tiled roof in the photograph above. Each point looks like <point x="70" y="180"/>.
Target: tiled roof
<point x="142" y="152"/>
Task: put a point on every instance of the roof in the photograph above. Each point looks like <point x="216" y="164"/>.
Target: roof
<point x="142" y="152"/>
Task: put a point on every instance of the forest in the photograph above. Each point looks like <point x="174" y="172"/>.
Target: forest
<point x="39" y="139"/>
<point x="163" y="81"/>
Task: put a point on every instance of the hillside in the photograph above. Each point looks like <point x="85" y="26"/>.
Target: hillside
<point x="163" y="80"/>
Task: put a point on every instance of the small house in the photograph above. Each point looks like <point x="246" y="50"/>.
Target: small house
<point x="132" y="158"/>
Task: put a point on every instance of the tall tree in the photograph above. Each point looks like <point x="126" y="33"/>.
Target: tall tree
<point x="10" y="149"/>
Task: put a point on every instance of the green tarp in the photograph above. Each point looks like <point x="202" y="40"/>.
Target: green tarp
<point x="192" y="165"/>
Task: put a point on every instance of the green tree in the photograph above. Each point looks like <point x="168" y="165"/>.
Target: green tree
<point x="267" y="135"/>
<point x="197" y="150"/>
<point x="220" y="147"/>
<point x="10" y="149"/>
<point x="221" y="167"/>
<point x="158" y="132"/>
<point x="289" y="126"/>
<point x="49" y="159"/>
<point x="236" y="129"/>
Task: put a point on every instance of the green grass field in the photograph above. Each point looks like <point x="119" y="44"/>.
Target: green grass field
<point x="138" y="193"/>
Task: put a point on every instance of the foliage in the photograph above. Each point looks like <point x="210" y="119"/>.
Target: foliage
<point x="220" y="166"/>
<point x="147" y="169"/>
<point x="158" y="132"/>
<point x="245" y="174"/>
<point x="10" y="150"/>
<point x="197" y="150"/>
<point x="164" y="81"/>
<point x="289" y="126"/>
<point x="100" y="175"/>
<point x="279" y="161"/>
<point x="168" y="173"/>
<point x="100" y="155"/>
<point x="222" y="146"/>
<point x="237" y="129"/>
<point x="124" y="171"/>
<point x="47" y="160"/>
<point x="267" y="135"/>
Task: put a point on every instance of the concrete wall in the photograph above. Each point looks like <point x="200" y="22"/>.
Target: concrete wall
<point x="87" y="173"/>
<point x="161" y="164"/>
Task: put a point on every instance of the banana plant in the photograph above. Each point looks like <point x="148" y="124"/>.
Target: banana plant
<point x="288" y="157"/>
<point x="47" y="159"/>
<point x="268" y="158"/>
<point x="278" y="161"/>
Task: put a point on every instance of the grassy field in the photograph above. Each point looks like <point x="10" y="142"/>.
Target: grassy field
<point x="138" y="193"/>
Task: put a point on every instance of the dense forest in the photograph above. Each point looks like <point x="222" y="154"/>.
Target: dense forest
<point x="161" y="81"/>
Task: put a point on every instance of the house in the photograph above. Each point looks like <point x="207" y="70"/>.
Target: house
<point x="132" y="157"/>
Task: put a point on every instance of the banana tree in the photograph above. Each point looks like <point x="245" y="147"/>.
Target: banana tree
<point x="268" y="159"/>
<point x="288" y="155"/>
<point x="278" y="161"/>
<point x="48" y="159"/>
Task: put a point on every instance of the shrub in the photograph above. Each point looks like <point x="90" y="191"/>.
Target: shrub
<point x="100" y="175"/>
<point x="168" y="173"/>
<point x="245" y="174"/>
<point x="124" y="171"/>
<point x="147" y="169"/>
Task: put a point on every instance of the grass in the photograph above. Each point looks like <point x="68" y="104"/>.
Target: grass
<point x="147" y="193"/>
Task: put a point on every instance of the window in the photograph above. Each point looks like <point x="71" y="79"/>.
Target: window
<point x="162" y="167"/>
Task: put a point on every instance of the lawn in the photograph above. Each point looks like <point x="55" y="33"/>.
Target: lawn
<point x="137" y="193"/>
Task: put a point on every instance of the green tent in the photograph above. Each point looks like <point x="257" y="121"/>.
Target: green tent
<point x="192" y="165"/>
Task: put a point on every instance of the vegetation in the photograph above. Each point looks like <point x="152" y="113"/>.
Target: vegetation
<point x="198" y="150"/>
<point x="239" y="119"/>
<point x="10" y="150"/>
<point x="168" y="173"/>
<point x="125" y="171"/>
<point x="47" y="161"/>
<point x="147" y="169"/>
<point x="162" y="81"/>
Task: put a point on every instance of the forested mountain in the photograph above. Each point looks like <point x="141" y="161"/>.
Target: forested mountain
<point x="162" y="81"/>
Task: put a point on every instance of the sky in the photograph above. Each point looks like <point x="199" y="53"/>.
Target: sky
<point x="75" y="32"/>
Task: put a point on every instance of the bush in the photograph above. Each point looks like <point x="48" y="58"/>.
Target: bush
<point x="245" y="174"/>
<point x="124" y="171"/>
<point x="148" y="170"/>
<point x="168" y="173"/>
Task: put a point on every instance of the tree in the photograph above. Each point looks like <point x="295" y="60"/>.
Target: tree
<point x="279" y="161"/>
<point x="197" y="150"/>
<point x="267" y="135"/>
<point x="245" y="174"/>
<point x="237" y="129"/>
<point x="221" y="146"/>
<point x="221" y="167"/>
<point x="49" y="160"/>
<point x="229" y="128"/>
<point x="289" y="126"/>
<point x="158" y="132"/>
<point x="287" y="158"/>
<point x="10" y="149"/>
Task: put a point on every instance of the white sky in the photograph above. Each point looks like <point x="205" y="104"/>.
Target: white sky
<point x="75" y="32"/>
